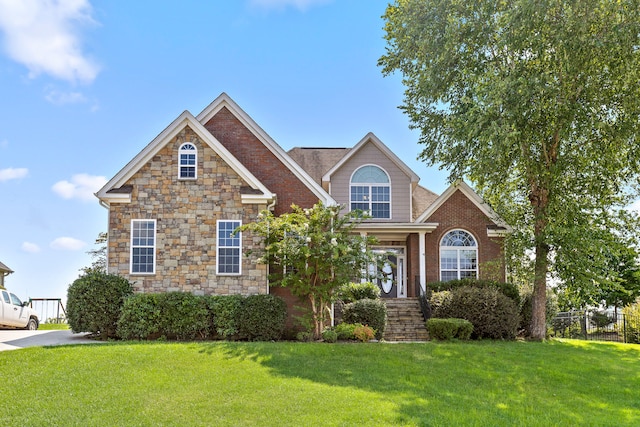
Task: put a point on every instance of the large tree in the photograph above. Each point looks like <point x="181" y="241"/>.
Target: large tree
<point x="314" y="251"/>
<point x="537" y="102"/>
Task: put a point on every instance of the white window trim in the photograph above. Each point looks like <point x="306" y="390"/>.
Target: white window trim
<point x="182" y="150"/>
<point x="218" y="247"/>
<point x="378" y="184"/>
<point x="458" y="270"/>
<point x="155" y="259"/>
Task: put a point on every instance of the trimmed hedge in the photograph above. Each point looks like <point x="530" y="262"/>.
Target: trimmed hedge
<point x="262" y="318"/>
<point x="447" y="329"/>
<point x="368" y="312"/>
<point x="184" y="316"/>
<point x="95" y="301"/>
<point x="507" y="289"/>
<point x="224" y="314"/>
<point x="492" y="314"/>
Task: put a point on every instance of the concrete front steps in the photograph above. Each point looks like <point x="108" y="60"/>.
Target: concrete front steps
<point x="404" y="320"/>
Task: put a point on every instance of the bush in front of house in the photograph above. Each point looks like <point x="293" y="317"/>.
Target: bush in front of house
<point x="183" y="316"/>
<point x="368" y="312"/>
<point x="507" y="289"/>
<point x="140" y="318"/>
<point x="329" y="335"/>
<point x="492" y="314"/>
<point x="262" y="318"/>
<point x="224" y="315"/>
<point x="447" y="329"/>
<point x="351" y="292"/>
<point x="344" y="331"/>
<point x="95" y="301"/>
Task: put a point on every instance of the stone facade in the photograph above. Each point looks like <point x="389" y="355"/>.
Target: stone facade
<point x="186" y="211"/>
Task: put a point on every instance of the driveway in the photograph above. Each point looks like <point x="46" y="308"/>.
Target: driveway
<point x="16" y="339"/>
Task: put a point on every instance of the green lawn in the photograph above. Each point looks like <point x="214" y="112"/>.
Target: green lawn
<point x="568" y="383"/>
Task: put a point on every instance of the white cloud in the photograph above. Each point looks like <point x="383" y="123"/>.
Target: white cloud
<point x="281" y="4"/>
<point x="635" y="206"/>
<point x="63" y="98"/>
<point x="44" y="36"/>
<point x="82" y="186"/>
<point x="32" y="248"/>
<point x="67" y="244"/>
<point x="13" y="173"/>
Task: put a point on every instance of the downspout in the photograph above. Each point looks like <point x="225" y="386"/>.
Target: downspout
<point x="108" y="208"/>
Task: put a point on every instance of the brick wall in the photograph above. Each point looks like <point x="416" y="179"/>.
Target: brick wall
<point x="186" y="212"/>
<point x="250" y="151"/>
<point x="460" y="212"/>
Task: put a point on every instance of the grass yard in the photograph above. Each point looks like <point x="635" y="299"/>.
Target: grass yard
<point x="568" y="383"/>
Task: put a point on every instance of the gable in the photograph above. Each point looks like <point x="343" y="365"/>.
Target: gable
<point x="459" y="204"/>
<point x="117" y="189"/>
<point x="252" y="146"/>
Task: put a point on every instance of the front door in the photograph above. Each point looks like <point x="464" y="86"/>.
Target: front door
<point x="392" y="276"/>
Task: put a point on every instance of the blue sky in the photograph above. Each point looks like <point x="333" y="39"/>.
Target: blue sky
<point x="86" y="84"/>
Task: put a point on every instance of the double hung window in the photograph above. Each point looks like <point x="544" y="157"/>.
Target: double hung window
<point x="187" y="159"/>
<point x="229" y="245"/>
<point x="370" y="191"/>
<point x="143" y="246"/>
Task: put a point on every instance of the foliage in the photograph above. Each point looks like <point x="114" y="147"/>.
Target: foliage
<point x="368" y="312"/>
<point x="94" y="303"/>
<point x="363" y="333"/>
<point x="98" y="255"/>
<point x="508" y="289"/>
<point x="345" y="331"/>
<point x="632" y="317"/>
<point x="183" y="316"/>
<point x="600" y="319"/>
<point x="447" y="329"/>
<point x="262" y="318"/>
<point x="526" y="312"/>
<point x="317" y="250"/>
<point x="329" y="335"/>
<point x="352" y="291"/>
<point x="492" y="314"/>
<point x="225" y="315"/>
<point x="536" y="101"/>
<point x="140" y="317"/>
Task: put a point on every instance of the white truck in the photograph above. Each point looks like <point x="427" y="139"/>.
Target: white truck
<point x="15" y="313"/>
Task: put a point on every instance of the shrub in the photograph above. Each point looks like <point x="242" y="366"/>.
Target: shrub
<point x="329" y="335"/>
<point x="345" y="331"/>
<point x="368" y="312"/>
<point x="304" y="336"/>
<point x="262" y="318"/>
<point x="140" y="318"/>
<point x="363" y="333"/>
<point x="183" y="316"/>
<point x="492" y="314"/>
<point x="507" y="289"/>
<point x="526" y="312"/>
<point x="446" y="329"/>
<point x="224" y="315"/>
<point x="632" y="322"/>
<point x="438" y="300"/>
<point x="351" y="292"/>
<point x="95" y="301"/>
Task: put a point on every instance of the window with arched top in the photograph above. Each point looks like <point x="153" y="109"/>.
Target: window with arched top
<point x="187" y="160"/>
<point x="370" y="191"/>
<point x="458" y="256"/>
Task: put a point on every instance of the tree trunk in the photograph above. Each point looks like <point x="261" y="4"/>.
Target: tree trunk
<point x="539" y="297"/>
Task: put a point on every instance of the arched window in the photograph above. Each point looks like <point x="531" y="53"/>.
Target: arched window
<point x="187" y="160"/>
<point x="458" y="256"/>
<point x="371" y="191"/>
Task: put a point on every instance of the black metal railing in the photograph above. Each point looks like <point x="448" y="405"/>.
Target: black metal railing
<point x="596" y="326"/>
<point x="422" y="298"/>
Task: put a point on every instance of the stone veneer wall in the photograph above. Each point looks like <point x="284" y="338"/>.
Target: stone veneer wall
<point x="186" y="212"/>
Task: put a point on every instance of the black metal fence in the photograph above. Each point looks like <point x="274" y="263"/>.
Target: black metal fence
<point x="596" y="326"/>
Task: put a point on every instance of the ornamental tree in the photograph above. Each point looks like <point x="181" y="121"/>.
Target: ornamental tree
<point x="537" y="102"/>
<point x="312" y="252"/>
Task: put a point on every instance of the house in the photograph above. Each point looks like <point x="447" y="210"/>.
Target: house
<point x="173" y="207"/>
<point x="4" y="271"/>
